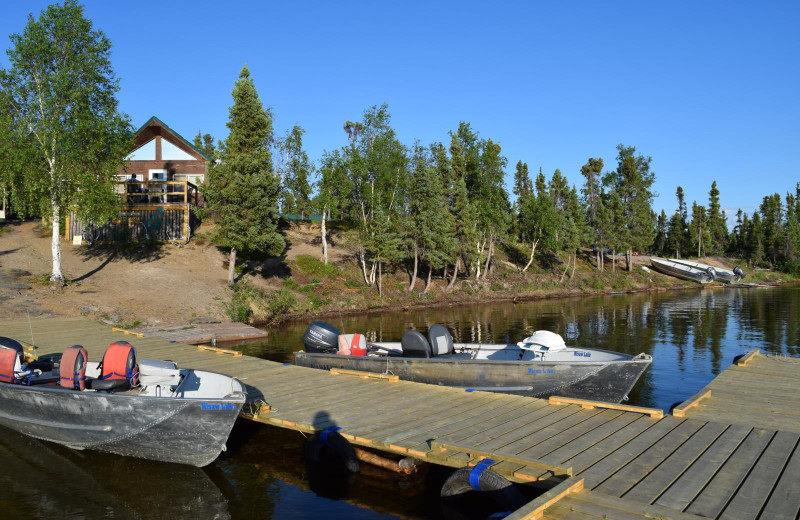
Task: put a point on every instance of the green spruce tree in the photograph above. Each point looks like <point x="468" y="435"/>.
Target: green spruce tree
<point x="243" y="190"/>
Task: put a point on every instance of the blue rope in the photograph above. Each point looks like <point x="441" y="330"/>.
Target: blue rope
<point x="475" y="474"/>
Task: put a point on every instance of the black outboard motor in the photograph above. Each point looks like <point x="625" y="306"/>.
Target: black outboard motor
<point x="321" y="338"/>
<point x="738" y="272"/>
<point x="711" y="272"/>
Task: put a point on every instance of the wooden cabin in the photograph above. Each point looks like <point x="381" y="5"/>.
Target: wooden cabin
<point x="162" y="154"/>
<point x="158" y="187"/>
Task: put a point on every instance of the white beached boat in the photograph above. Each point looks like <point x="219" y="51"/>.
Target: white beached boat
<point x="685" y="272"/>
<point x="722" y="274"/>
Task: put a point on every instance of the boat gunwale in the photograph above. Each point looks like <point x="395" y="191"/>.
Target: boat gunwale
<point x="235" y="396"/>
<point x="444" y="359"/>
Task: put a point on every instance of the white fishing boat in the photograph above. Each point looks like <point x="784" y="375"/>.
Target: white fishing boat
<point x="149" y="409"/>
<point x="540" y="365"/>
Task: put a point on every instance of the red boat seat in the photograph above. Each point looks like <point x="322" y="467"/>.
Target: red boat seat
<point x="9" y="363"/>
<point x="352" y="345"/>
<point x="73" y="368"/>
<point x="119" y="362"/>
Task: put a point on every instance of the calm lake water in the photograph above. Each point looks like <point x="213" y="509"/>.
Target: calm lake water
<point x="692" y="336"/>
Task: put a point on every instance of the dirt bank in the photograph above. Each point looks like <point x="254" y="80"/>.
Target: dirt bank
<point x="166" y="285"/>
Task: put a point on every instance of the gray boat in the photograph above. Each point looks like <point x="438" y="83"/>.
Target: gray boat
<point x="683" y="271"/>
<point x="539" y="366"/>
<point x="171" y="415"/>
<point x="721" y="274"/>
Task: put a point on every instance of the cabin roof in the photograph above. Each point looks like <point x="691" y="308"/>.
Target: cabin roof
<point x="142" y="136"/>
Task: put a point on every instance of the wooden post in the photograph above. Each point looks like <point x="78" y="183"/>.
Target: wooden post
<point x="67" y="230"/>
<point x="186" y="215"/>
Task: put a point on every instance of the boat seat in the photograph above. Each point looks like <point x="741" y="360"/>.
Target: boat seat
<point x="119" y="362"/>
<point x="9" y="365"/>
<point x="352" y="345"/>
<point x="441" y="340"/>
<point x="109" y="385"/>
<point x="72" y="371"/>
<point x="414" y="344"/>
<point x="156" y="372"/>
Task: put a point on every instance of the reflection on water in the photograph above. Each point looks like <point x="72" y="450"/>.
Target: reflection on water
<point x="44" y="480"/>
<point x="692" y="336"/>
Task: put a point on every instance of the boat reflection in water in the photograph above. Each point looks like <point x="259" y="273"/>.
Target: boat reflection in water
<point x="45" y="480"/>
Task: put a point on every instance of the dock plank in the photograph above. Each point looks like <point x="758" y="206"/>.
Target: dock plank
<point x="784" y="503"/>
<point x="753" y="493"/>
<point x="689" y="485"/>
<point x="654" y="483"/>
<point x="639" y="467"/>
<point x="621" y="456"/>
<point x="723" y="485"/>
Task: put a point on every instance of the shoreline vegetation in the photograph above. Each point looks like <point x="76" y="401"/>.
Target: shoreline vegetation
<point x="307" y="289"/>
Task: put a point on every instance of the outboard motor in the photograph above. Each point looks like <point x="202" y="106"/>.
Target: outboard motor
<point x="738" y="272"/>
<point x="712" y="272"/>
<point x="321" y="338"/>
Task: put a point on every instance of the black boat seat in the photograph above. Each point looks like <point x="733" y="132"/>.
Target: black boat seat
<point x="414" y="344"/>
<point x="109" y="385"/>
<point x="441" y="340"/>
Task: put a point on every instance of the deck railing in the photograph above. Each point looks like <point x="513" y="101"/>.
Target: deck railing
<point x="158" y="193"/>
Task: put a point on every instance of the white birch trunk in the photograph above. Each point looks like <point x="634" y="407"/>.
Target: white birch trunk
<point x="455" y="275"/>
<point x="565" y="270"/>
<point x="363" y="262"/>
<point x="324" y="239"/>
<point x="414" y="275"/>
<point x="533" y="250"/>
<point x="489" y="254"/>
<point x="428" y="284"/>
<point x="574" y="262"/>
<point x="55" y="247"/>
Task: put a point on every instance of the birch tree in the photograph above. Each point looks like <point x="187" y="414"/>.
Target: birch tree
<point x="60" y="91"/>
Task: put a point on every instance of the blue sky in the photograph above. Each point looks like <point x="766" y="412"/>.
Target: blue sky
<point x="710" y="90"/>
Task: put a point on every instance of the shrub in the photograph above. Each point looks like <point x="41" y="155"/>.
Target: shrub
<point x="249" y="303"/>
<point x="239" y="308"/>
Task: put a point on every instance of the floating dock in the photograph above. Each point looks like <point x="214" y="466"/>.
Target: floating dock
<point x="599" y="460"/>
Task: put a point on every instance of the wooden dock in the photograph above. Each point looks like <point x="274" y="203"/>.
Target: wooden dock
<point x="613" y="462"/>
<point x="758" y="390"/>
<point x="206" y="333"/>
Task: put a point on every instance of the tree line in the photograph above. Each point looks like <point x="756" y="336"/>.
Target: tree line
<point x="443" y="208"/>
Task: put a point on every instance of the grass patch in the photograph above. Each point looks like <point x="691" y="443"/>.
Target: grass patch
<point x="290" y="284"/>
<point x="315" y="267"/>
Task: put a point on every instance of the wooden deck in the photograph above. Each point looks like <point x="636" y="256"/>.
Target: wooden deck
<point x="207" y="333"/>
<point x="759" y="390"/>
<point x="629" y="464"/>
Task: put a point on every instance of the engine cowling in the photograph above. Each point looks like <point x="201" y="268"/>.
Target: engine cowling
<point x="321" y="337"/>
